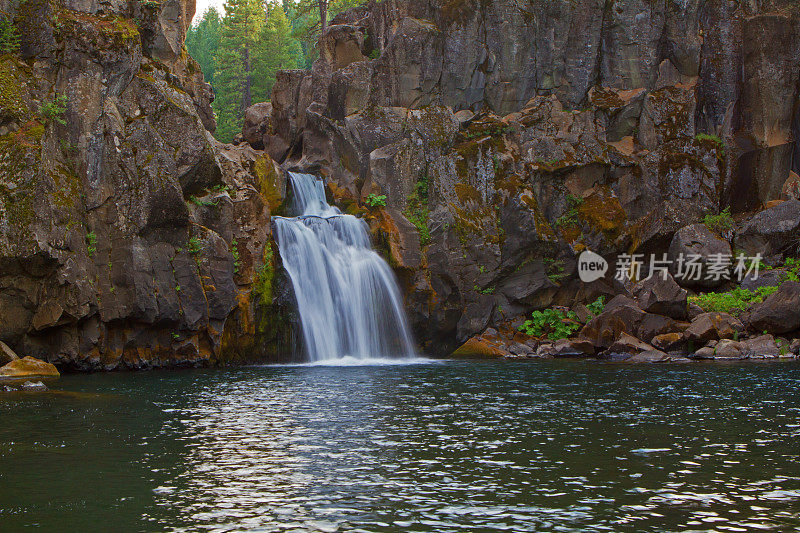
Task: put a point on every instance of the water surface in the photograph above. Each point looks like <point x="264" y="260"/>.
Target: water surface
<point x="449" y="446"/>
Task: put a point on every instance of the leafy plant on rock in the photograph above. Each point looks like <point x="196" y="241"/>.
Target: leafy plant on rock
<point x="721" y="223"/>
<point x="91" y="243"/>
<point x="597" y="306"/>
<point x="570" y="216"/>
<point x="54" y="110"/>
<point x="376" y="200"/>
<point x="554" y="323"/>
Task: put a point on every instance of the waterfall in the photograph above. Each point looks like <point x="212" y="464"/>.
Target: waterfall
<point x="347" y="296"/>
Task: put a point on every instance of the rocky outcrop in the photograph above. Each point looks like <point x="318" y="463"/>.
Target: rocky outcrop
<point x="129" y="238"/>
<point x="512" y="138"/>
<point x="507" y="139"/>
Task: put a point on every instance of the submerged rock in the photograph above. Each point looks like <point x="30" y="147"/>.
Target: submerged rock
<point x="37" y="386"/>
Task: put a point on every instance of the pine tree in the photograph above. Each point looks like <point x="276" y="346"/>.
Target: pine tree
<point x="202" y="42"/>
<point x="278" y="50"/>
<point x="236" y="60"/>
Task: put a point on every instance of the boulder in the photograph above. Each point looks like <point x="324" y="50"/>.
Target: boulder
<point x="28" y="367"/>
<point x="653" y="325"/>
<point x="761" y="347"/>
<point x="693" y="311"/>
<point x="521" y="350"/>
<point x="6" y="354"/>
<point x="662" y="296"/>
<point x="697" y="240"/>
<point x="712" y="326"/>
<point x="778" y="313"/>
<point x="630" y="349"/>
<point x="479" y="347"/>
<point x="794" y="347"/>
<point x="257" y="124"/>
<point x="563" y="348"/>
<point x="622" y="315"/>
<point x="728" y="349"/>
<point x="706" y="352"/>
<point x="766" y="278"/>
<point x="668" y="342"/>
<point x="772" y="231"/>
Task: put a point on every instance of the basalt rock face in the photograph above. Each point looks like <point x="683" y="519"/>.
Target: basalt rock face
<point x="129" y="237"/>
<point x="508" y="137"/>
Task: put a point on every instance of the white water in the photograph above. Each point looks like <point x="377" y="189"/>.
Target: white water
<point x="347" y="296"/>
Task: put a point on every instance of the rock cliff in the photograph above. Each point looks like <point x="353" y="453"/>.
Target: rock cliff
<point x="509" y="136"/>
<point x="129" y="238"/>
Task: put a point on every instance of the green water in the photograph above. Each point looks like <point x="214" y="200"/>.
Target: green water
<point x="448" y="446"/>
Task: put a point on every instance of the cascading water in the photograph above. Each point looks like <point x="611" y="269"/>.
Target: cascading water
<point x="347" y="296"/>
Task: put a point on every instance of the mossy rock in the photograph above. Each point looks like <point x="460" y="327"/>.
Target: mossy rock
<point x="12" y="104"/>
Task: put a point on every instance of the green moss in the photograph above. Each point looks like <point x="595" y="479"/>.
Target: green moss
<point x="109" y="30"/>
<point x="20" y="156"/>
<point x="265" y="275"/>
<point x="269" y="183"/>
<point x="11" y="103"/>
<point x="417" y="211"/>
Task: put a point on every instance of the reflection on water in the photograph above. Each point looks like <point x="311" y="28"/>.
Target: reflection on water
<point x="431" y="447"/>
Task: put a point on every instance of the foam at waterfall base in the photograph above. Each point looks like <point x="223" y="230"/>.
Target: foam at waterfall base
<point x="350" y="361"/>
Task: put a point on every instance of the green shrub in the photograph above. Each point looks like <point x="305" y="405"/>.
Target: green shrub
<point x="91" y="243"/>
<point x="597" y="306"/>
<point x="570" y="216"/>
<point x="54" y="111"/>
<point x="194" y="246"/>
<point x="376" y="200"/>
<point x="554" y="323"/>
<point x="487" y="290"/>
<point x="9" y="36"/>
<point x="732" y="302"/>
<point x="706" y="137"/>
<point x="235" y="253"/>
<point x="375" y="54"/>
<point x="792" y="265"/>
<point x="720" y="223"/>
<point x="201" y="202"/>
<point x="555" y="270"/>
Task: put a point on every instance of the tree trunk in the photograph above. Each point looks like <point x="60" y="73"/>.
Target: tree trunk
<point x="323" y="17"/>
<point x="247" y="96"/>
